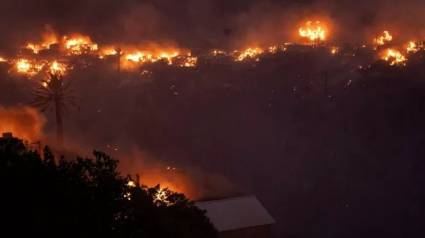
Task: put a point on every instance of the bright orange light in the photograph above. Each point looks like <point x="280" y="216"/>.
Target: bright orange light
<point x="78" y="44"/>
<point x="133" y="58"/>
<point x="190" y="61"/>
<point x="23" y="66"/>
<point x="273" y="49"/>
<point x="24" y="122"/>
<point x="248" y="53"/>
<point x="131" y="184"/>
<point x="49" y="39"/>
<point x="57" y="68"/>
<point x="108" y="51"/>
<point x="412" y="47"/>
<point x="217" y="52"/>
<point x="334" y="50"/>
<point x="384" y="38"/>
<point x="394" y="57"/>
<point x="313" y="31"/>
<point x="162" y="195"/>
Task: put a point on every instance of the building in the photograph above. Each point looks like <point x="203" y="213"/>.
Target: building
<point x="238" y="217"/>
<point x="7" y="135"/>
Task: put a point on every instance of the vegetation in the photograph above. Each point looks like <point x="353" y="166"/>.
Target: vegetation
<point x="57" y="94"/>
<point x="87" y="198"/>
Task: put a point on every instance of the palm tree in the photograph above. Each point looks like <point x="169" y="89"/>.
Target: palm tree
<point x="54" y="93"/>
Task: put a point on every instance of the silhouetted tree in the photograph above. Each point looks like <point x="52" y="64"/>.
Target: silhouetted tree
<point x="87" y="198"/>
<point x="55" y="92"/>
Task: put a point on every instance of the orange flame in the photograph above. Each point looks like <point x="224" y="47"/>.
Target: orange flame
<point x="412" y="47"/>
<point x="394" y="57"/>
<point x="49" y="39"/>
<point x="108" y="51"/>
<point x="313" y="31"/>
<point x="384" y="38"/>
<point x="190" y="61"/>
<point x="248" y="53"/>
<point x="27" y="67"/>
<point x="57" y="68"/>
<point x="79" y="44"/>
<point x="133" y="58"/>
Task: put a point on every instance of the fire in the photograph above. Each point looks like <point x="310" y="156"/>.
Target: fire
<point x="168" y="56"/>
<point x="135" y="57"/>
<point x="49" y="39"/>
<point x="57" y="68"/>
<point x="384" y="38"/>
<point x="412" y="47"/>
<point x="217" y="52"/>
<point x="77" y="45"/>
<point x="108" y="51"/>
<point x="394" y="57"/>
<point x="34" y="47"/>
<point x="28" y="68"/>
<point x="131" y="184"/>
<point x="190" y="61"/>
<point x="248" y="53"/>
<point x="31" y="68"/>
<point x="334" y="50"/>
<point x="2" y="59"/>
<point x="273" y="49"/>
<point x="145" y="57"/>
<point x="313" y="31"/>
<point x="161" y="195"/>
<point x="23" y="66"/>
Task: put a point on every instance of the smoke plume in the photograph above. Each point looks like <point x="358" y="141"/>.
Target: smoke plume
<point x="24" y="122"/>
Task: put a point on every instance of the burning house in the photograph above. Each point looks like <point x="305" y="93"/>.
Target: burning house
<point x="238" y="217"/>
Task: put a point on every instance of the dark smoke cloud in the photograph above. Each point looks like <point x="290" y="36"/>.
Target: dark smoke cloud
<point x="205" y="23"/>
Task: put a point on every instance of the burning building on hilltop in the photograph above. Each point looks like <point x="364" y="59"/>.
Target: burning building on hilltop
<point x="238" y="217"/>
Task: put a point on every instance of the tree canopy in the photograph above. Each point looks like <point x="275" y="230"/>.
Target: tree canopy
<point x="84" y="197"/>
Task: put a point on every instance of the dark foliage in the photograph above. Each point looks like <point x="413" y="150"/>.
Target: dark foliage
<point x="86" y="198"/>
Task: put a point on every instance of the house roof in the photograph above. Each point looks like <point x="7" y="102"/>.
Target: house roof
<point x="236" y="213"/>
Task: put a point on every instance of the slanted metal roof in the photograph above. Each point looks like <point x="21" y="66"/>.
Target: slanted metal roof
<point x="236" y="213"/>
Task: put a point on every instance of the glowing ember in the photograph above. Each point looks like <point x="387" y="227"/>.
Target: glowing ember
<point x="248" y="53"/>
<point x="394" y="57"/>
<point x="412" y="47"/>
<point x="334" y="50"/>
<point x="78" y="45"/>
<point x="131" y="184"/>
<point x="161" y="196"/>
<point x="384" y="38"/>
<point x="3" y="59"/>
<point x="190" y="61"/>
<point x="273" y="49"/>
<point x="218" y="52"/>
<point x="313" y="31"/>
